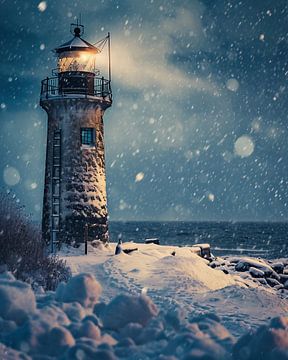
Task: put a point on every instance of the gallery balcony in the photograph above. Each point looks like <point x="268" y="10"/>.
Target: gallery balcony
<point x="71" y="85"/>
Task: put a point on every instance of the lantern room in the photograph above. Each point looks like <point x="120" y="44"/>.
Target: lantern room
<point x="76" y="64"/>
<point x="77" y="54"/>
<point x="76" y="72"/>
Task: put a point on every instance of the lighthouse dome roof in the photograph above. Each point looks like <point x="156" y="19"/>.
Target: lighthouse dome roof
<point x="76" y="44"/>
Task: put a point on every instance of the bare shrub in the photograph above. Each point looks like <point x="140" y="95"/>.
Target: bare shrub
<point x="22" y="250"/>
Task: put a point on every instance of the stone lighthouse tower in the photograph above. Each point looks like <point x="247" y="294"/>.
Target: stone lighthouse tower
<point x="75" y="100"/>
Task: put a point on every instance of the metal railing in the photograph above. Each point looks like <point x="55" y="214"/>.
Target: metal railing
<point x="53" y="87"/>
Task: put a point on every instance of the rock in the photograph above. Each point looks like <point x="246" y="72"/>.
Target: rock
<point x="82" y="288"/>
<point x="279" y="287"/>
<point x="262" y="281"/>
<point x="244" y="264"/>
<point x="17" y="300"/>
<point x="273" y="282"/>
<point x="286" y="285"/>
<point x="256" y="273"/>
<point x="214" y="264"/>
<point x="99" y="309"/>
<point x="125" y="309"/>
<point x="278" y="267"/>
<point x="224" y="269"/>
<point x="283" y="278"/>
<point x="274" y="275"/>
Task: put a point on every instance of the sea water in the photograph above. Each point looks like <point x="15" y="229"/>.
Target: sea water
<point x="257" y="239"/>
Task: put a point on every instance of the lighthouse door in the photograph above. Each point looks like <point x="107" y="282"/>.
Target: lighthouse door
<point x="56" y="173"/>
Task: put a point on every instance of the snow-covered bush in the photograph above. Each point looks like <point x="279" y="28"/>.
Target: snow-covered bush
<point x="22" y="251"/>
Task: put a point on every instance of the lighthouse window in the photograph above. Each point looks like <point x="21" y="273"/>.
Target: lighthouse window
<point x="88" y="136"/>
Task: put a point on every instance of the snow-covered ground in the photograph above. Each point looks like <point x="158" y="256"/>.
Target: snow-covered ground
<point x="157" y="303"/>
<point x="183" y="282"/>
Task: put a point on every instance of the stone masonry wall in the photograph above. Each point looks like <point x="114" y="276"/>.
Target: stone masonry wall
<point x="83" y="179"/>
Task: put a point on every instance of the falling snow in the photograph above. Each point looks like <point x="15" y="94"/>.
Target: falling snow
<point x="244" y="146"/>
<point x="139" y="177"/>
<point x="11" y="176"/>
<point x="199" y="105"/>
<point x="42" y="6"/>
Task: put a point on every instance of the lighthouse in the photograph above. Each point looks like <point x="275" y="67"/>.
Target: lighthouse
<point x="75" y="100"/>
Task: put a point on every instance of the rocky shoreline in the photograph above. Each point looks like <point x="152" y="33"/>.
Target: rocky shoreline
<point x="268" y="273"/>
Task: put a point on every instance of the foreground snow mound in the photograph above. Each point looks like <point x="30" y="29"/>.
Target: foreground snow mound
<point x="82" y="288"/>
<point x="128" y="327"/>
<point x="124" y="309"/>
<point x="17" y="300"/>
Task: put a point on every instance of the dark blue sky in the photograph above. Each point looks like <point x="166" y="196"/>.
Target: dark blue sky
<point x="198" y="127"/>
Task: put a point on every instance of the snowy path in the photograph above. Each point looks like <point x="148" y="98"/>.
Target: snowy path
<point x="183" y="281"/>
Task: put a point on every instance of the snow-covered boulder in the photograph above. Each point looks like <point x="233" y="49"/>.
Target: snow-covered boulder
<point x="7" y="353"/>
<point x="154" y="331"/>
<point x="7" y="326"/>
<point x="131" y="331"/>
<point x="267" y="343"/>
<point x="82" y="288"/>
<point x="84" y="350"/>
<point x="188" y="346"/>
<point x="244" y="264"/>
<point x="74" y="311"/>
<point x="53" y="315"/>
<point x="17" y="300"/>
<point x="85" y="329"/>
<point x="125" y="309"/>
<point x="56" y="341"/>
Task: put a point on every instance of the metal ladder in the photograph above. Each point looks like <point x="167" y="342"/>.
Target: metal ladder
<point x="56" y="194"/>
